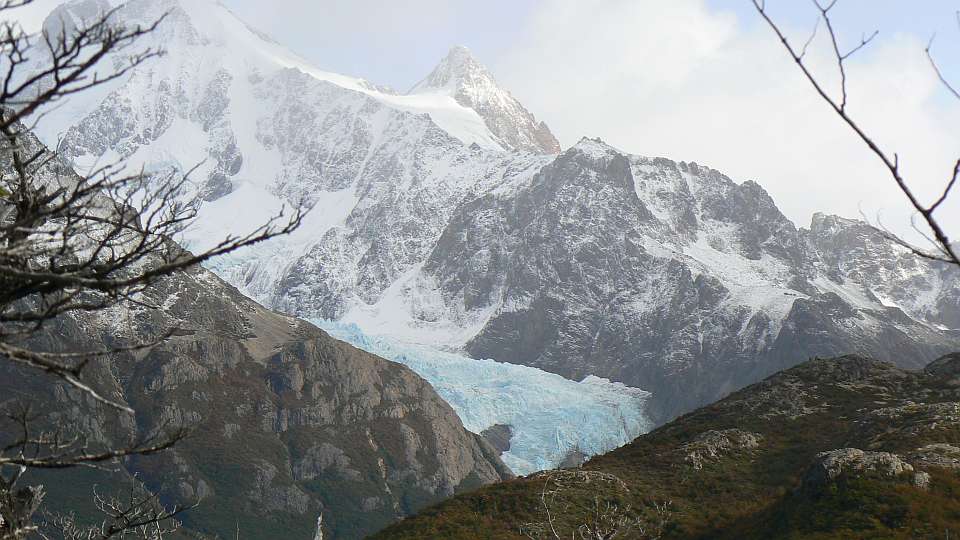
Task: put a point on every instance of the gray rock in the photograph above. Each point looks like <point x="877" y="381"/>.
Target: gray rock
<point x="829" y="466"/>
<point x="714" y="445"/>
<point x="498" y="436"/>
<point x="921" y="480"/>
<point x="944" y="456"/>
<point x="574" y="459"/>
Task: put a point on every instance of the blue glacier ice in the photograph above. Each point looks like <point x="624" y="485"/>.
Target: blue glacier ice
<point x="550" y="415"/>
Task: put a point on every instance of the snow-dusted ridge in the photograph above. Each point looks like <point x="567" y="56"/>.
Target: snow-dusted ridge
<point x="206" y="29"/>
<point x="442" y="219"/>
<point x="461" y="77"/>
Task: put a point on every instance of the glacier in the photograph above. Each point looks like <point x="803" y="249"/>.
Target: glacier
<point x="550" y="416"/>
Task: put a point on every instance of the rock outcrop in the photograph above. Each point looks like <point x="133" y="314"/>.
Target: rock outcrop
<point x="942" y="455"/>
<point x="711" y="445"/>
<point x="829" y="466"/>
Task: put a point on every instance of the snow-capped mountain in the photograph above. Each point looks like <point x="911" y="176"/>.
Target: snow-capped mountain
<point x="268" y="130"/>
<point x="460" y="76"/>
<point x="380" y="172"/>
<point x="673" y="278"/>
<point x="431" y="224"/>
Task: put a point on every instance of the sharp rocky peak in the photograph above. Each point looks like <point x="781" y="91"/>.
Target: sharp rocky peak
<point x="594" y="148"/>
<point x="201" y="21"/>
<point x="831" y="222"/>
<point x="471" y="84"/>
<point x="458" y="70"/>
<point x="181" y="22"/>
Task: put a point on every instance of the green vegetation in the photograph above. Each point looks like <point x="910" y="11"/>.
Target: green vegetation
<point x="764" y="491"/>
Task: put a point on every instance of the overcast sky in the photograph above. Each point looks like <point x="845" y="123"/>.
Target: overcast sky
<point x="693" y="80"/>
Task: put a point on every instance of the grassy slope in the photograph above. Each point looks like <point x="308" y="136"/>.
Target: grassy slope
<point x="757" y="493"/>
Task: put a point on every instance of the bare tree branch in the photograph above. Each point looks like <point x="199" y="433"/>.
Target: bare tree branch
<point x="139" y="515"/>
<point x="945" y="251"/>
<point x="72" y="244"/>
<point x="587" y="505"/>
<point x="936" y="67"/>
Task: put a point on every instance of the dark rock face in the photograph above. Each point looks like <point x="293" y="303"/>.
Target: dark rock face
<point x="947" y="367"/>
<point x="499" y="437"/>
<point x="288" y="423"/>
<point x="574" y="459"/>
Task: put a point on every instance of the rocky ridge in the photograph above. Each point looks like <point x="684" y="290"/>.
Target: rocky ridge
<point x="460" y="75"/>
<point x="673" y="278"/>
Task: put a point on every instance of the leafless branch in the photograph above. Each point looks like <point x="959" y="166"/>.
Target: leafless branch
<point x="944" y="250"/>
<point x="813" y="35"/>
<point x="72" y="244"/>
<point x="38" y="441"/>
<point x="589" y="505"/>
<point x="139" y="514"/>
<point x="936" y="67"/>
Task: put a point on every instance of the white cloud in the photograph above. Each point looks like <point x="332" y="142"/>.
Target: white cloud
<point x="32" y="15"/>
<point x="675" y="79"/>
<point x="333" y="20"/>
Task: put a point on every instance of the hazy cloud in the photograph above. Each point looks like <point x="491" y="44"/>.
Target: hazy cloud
<point x="32" y="15"/>
<point x="386" y="41"/>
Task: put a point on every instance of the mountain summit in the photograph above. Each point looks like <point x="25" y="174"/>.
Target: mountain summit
<point x="462" y="77"/>
<point x="457" y="70"/>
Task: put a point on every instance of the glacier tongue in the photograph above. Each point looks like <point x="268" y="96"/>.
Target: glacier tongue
<point x="550" y="416"/>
